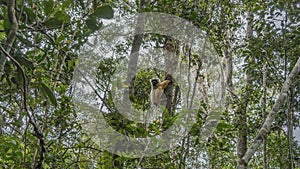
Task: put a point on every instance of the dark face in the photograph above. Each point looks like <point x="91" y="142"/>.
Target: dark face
<point x="154" y="82"/>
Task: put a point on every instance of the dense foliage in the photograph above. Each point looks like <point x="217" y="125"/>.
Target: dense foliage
<point x="258" y="43"/>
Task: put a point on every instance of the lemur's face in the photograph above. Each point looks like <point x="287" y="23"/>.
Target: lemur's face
<point x="154" y="82"/>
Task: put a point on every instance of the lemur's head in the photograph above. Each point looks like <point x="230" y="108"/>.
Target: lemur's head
<point x="154" y="83"/>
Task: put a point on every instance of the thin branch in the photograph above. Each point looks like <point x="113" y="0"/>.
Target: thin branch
<point x="234" y="95"/>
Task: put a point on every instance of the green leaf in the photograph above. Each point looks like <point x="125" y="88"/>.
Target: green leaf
<point x="53" y="22"/>
<point x="18" y="78"/>
<point x="47" y="91"/>
<point x="67" y="3"/>
<point x="105" y="12"/>
<point x="222" y="126"/>
<point x="25" y="62"/>
<point x="30" y="14"/>
<point x="58" y="19"/>
<point x="92" y="23"/>
<point x="48" y="6"/>
<point x="59" y="39"/>
<point x="62" y="16"/>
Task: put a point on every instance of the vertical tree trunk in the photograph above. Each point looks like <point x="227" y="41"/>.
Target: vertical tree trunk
<point x="264" y="105"/>
<point x="290" y="101"/>
<point x="171" y="54"/>
<point x="242" y="127"/>
<point x="242" y="110"/>
<point x="290" y="130"/>
<point x="132" y="66"/>
<point x="133" y="58"/>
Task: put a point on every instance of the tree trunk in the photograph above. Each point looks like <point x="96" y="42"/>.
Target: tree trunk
<point x="132" y="66"/>
<point x="133" y="59"/>
<point x="264" y="105"/>
<point x="290" y="130"/>
<point x="242" y="109"/>
<point x="171" y="54"/>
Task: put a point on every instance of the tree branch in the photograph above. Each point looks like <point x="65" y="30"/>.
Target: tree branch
<point x="37" y="133"/>
<point x="12" y="32"/>
<point x="270" y="118"/>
